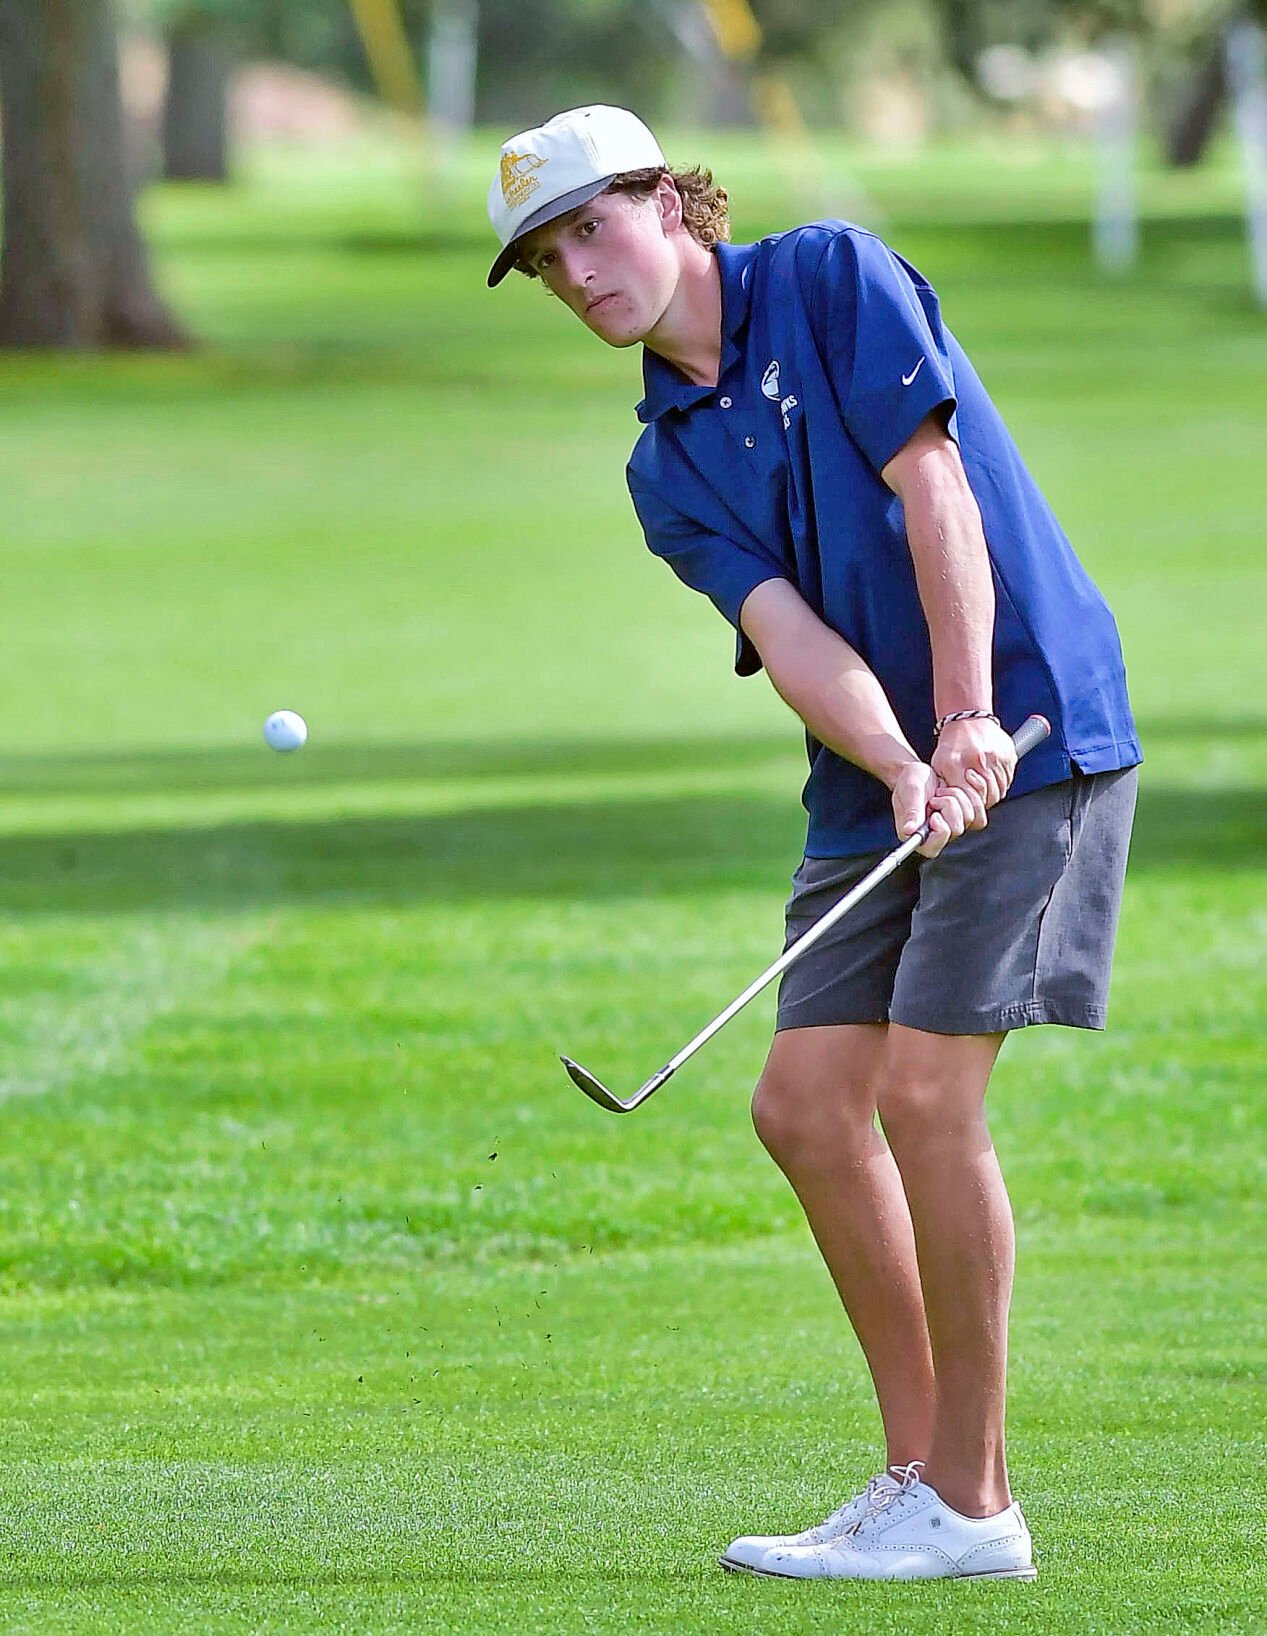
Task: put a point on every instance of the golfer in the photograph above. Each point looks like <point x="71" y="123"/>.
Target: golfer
<point x="819" y="458"/>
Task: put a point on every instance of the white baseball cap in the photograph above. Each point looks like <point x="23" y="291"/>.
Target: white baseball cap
<point x="553" y="168"/>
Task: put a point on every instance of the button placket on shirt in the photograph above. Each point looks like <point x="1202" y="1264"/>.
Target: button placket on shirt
<point x="749" y="432"/>
<point x="758" y="490"/>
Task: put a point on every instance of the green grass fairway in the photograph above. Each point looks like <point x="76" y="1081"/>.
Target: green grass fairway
<point x="328" y="1304"/>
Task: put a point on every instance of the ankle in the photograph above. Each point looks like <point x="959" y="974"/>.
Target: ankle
<point x="968" y="1499"/>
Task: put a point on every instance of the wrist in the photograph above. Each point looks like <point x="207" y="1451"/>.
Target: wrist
<point x="888" y="759"/>
<point x="952" y="717"/>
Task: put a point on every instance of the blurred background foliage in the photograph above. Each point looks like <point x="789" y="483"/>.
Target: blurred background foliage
<point x="197" y="80"/>
<point x="554" y="53"/>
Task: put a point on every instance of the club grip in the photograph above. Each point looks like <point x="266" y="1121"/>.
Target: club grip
<point x="1032" y="731"/>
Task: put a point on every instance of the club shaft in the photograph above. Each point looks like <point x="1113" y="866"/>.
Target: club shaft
<point x="882" y="871"/>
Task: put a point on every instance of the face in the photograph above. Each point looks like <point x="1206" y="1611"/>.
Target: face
<point x="613" y="262"/>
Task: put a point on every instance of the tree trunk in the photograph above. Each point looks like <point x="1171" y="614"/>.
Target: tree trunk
<point x="73" y="267"/>
<point x="1200" y="102"/>
<point x="195" y="114"/>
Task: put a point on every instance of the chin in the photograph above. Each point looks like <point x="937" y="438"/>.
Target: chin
<point x="619" y="335"/>
<point x="621" y="341"/>
<point x="618" y="329"/>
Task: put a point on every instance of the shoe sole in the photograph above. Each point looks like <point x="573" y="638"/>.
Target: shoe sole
<point x="731" y="1566"/>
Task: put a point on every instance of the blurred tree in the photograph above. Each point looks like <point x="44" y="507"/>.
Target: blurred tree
<point x="1185" y="39"/>
<point x="318" y="35"/>
<point x="73" y="267"/>
<point x="795" y="29"/>
<point x="536" y="59"/>
<point x="200" y="57"/>
<point x="1201" y="29"/>
<point x="1197" y="107"/>
<point x="204" y="40"/>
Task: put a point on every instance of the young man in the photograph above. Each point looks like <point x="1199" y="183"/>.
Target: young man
<point x="820" y="459"/>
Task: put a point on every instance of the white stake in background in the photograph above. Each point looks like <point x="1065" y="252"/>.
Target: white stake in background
<point x="1115" y="226"/>
<point x="1246" y="52"/>
<point x="452" y="52"/>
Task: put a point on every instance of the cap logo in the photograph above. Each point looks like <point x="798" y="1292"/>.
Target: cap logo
<point x="517" y="182"/>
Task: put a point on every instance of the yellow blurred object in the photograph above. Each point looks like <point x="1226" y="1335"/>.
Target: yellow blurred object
<point x="777" y="107"/>
<point x="737" y="31"/>
<point x="389" y="53"/>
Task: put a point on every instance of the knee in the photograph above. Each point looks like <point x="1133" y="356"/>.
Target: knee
<point x="799" y="1125"/>
<point x="920" y="1112"/>
<point x="772" y="1115"/>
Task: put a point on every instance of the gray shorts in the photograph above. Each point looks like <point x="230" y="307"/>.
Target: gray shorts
<point x="1013" y="924"/>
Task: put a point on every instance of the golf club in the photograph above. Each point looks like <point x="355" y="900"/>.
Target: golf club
<point x="1031" y="732"/>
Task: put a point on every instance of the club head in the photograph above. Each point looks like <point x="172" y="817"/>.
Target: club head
<point x="598" y="1092"/>
<point x="593" y="1088"/>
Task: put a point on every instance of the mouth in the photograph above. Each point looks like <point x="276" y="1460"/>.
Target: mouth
<point x="599" y="302"/>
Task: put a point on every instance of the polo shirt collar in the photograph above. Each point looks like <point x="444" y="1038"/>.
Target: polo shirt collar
<point x="664" y="385"/>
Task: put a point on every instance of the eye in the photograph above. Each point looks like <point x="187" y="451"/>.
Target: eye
<point x="590" y="226"/>
<point x="544" y="260"/>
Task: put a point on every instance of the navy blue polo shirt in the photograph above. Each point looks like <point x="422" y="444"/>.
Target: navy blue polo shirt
<point x="833" y="352"/>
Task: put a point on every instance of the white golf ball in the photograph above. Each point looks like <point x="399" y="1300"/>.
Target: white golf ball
<point x="285" y="730"/>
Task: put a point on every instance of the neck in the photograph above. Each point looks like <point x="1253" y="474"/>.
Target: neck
<point x="688" y="334"/>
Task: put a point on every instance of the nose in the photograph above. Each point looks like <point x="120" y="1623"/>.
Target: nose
<point x="578" y="275"/>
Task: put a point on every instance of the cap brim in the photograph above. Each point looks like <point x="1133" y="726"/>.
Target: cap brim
<point x="548" y="213"/>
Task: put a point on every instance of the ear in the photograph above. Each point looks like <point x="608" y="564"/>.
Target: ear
<point x="669" y="203"/>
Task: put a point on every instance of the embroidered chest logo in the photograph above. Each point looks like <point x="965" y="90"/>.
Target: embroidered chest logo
<point x="770" y="386"/>
<point x="517" y="182"/>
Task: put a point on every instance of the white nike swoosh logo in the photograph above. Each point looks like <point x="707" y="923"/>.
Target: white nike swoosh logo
<point x="907" y="379"/>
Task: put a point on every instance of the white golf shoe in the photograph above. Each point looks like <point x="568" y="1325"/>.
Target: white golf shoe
<point x="749" y="1550"/>
<point x="905" y="1530"/>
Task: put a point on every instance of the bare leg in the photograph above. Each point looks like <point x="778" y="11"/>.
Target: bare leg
<point x="931" y="1101"/>
<point x="814" y="1110"/>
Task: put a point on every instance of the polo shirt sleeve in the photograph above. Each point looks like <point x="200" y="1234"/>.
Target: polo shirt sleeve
<point x="885" y="346"/>
<point x="719" y="569"/>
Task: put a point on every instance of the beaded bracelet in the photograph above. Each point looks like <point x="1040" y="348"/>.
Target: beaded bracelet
<point x="964" y="715"/>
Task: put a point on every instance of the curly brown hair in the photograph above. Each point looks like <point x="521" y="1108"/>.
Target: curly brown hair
<point x="705" y="210"/>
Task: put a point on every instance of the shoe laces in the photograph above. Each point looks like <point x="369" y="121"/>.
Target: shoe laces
<point x="883" y="1492"/>
<point x="874" y="1486"/>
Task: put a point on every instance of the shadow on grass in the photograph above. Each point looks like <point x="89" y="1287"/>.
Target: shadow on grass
<point x="586" y="851"/>
<point x="220" y="769"/>
<point x="591" y="850"/>
<point x="251" y="767"/>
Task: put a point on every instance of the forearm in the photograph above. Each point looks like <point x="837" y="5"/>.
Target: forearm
<point x="839" y="698"/>
<point x="825" y="681"/>
<point x="952" y="571"/>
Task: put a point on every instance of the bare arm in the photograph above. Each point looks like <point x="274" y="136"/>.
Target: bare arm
<point x="840" y="700"/>
<point x="956" y="590"/>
